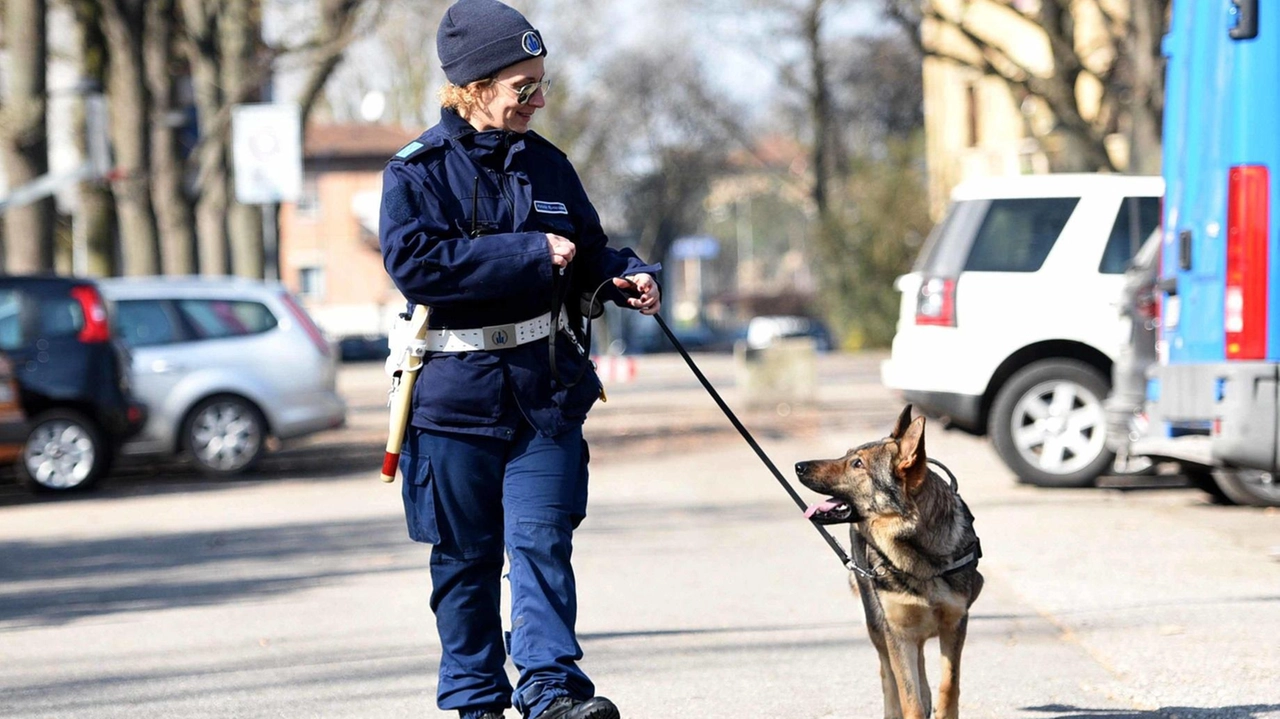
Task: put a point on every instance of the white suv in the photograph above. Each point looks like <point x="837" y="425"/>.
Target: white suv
<point x="1010" y="324"/>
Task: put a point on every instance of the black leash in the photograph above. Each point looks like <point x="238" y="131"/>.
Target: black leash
<point x="972" y="554"/>
<point x="831" y="541"/>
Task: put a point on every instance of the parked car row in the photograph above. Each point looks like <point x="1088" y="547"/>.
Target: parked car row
<point x="205" y="369"/>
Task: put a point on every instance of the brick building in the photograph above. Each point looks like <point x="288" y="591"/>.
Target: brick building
<point x="329" y="251"/>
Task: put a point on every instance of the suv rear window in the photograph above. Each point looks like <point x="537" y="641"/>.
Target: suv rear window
<point x="59" y="317"/>
<point x="146" y="323"/>
<point x="211" y="319"/>
<point x="1137" y="219"/>
<point x="945" y="248"/>
<point x="1017" y="234"/>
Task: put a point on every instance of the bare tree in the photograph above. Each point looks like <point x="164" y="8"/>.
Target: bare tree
<point x="649" y="150"/>
<point x="129" y="104"/>
<point x="172" y="206"/>
<point x="1148" y="18"/>
<point x="97" y="208"/>
<point x="230" y="64"/>
<point x="28" y="229"/>
<point x="828" y="156"/>
<point x="238" y="33"/>
<point x="200" y="45"/>
<point x="1127" y="67"/>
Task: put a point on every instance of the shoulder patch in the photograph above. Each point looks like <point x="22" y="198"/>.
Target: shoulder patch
<point x="409" y="149"/>
<point x="418" y="147"/>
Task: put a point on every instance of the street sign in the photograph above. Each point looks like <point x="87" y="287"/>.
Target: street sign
<point x="701" y="247"/>
<point x="266" y="148"/>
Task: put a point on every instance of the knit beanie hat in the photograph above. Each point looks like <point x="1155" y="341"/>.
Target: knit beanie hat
<point x="477" y="38"/>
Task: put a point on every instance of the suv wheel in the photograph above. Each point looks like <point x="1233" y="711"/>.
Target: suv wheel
<point x="225" y="435"/>
<point x="1250" y="487"/>
<point x="64" y="452"/>
<point x="1049" y="425"/>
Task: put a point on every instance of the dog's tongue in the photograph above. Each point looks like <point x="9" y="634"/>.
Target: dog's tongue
<point x="827" y="505"/>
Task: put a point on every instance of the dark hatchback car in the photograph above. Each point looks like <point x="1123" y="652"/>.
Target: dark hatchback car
<point x="71" y="381"/>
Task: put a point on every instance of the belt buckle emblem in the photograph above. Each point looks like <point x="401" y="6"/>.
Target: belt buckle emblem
<point x="501" y="336"/>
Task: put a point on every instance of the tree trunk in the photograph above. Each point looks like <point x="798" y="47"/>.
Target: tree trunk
<point x="237" y="30"/>
<point x="128" y="102"/>
<point x="819" y="106"/>
<point x="95" y="218"/>
<point x="29" y="228"/>
<point x="173" y="208"/>
<point x="211" y="163"/>
<point x="1147" y="104"/>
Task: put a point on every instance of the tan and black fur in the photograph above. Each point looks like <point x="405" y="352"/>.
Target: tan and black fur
<point x="908" y="526"/>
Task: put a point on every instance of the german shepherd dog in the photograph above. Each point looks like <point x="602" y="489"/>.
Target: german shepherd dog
<point x="916" y="555"/>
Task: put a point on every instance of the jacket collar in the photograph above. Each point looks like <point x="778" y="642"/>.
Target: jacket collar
<point x="491" y="147"/>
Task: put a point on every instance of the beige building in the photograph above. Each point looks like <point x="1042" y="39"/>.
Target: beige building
<point x="975" y="123"/>
<point x="329" y="254"/>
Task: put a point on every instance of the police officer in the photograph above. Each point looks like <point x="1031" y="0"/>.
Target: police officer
<point x="486" y="223"/>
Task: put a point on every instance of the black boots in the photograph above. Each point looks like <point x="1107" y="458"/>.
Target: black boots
<point x="566" y="708"/>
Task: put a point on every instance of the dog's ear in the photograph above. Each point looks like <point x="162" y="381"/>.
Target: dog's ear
<point x="912" y="462"/>
<point x="900" y="427"/>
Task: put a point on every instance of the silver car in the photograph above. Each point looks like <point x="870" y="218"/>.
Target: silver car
<point x="222" y="364"/>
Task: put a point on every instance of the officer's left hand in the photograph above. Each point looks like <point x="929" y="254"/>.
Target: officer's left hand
<point x="649" y="300"/>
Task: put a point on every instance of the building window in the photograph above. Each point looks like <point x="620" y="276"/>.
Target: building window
<point x="311" y="283"/>
<point x="309" y="201"/>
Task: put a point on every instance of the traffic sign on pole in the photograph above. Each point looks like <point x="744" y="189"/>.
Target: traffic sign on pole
<point x="266" y="148"/>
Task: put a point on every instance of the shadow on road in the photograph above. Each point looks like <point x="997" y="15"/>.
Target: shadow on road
<point x="50" y="583"/>
<point x="316" y="460"/>
<point x="1251" y="711"/>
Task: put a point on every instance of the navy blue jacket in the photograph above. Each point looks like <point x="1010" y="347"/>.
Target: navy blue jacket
<point x="463" y="231"/>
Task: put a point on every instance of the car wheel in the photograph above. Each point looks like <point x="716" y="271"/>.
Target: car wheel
<point x="225" y="435"/>
<point x="1249" y="487"/>
<point x="64" y="452"/>
<point x="1049" y="425"/>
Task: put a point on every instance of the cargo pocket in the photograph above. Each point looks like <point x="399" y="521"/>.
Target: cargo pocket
<point x="419" y="497"/>
<point x="461" y="389"/>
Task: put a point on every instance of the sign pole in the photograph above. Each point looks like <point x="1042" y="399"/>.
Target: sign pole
<point x="270" y="242"/>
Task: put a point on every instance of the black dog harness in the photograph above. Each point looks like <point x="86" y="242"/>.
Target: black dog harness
<point x="967" y="558"/>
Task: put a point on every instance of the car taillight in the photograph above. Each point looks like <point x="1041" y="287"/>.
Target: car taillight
<point x="1245" y="303"/>
<point x="1146" y="307"/>
<point x="299" y="314"/>
<point x="96" y="328"/>
<point x="936" y="302"/>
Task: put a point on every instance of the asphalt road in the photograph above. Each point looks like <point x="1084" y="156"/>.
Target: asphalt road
<point x="295" y="592"/>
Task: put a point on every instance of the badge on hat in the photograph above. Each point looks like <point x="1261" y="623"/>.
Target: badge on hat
<point x="531" y="43"/>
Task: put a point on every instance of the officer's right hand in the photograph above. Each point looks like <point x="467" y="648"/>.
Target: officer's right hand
<point x="562" y="250"/>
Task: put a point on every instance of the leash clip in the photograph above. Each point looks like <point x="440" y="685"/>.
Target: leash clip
<point x="395" y="387"/>
<point x="852" y="566"/>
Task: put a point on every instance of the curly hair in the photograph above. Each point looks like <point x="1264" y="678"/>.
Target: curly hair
<point x="463" y="99"/>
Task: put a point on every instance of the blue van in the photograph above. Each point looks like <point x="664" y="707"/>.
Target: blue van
<point x="1212" y="395"/>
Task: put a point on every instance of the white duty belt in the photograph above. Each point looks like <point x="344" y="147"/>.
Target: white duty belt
<point x="495" y="337"/>
<point x="404" y="344"/>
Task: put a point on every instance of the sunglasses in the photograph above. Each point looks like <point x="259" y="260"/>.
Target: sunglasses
<point x="525" y="93"/>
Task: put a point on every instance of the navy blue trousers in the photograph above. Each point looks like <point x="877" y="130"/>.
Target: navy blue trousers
<point x="472" y="496"/>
